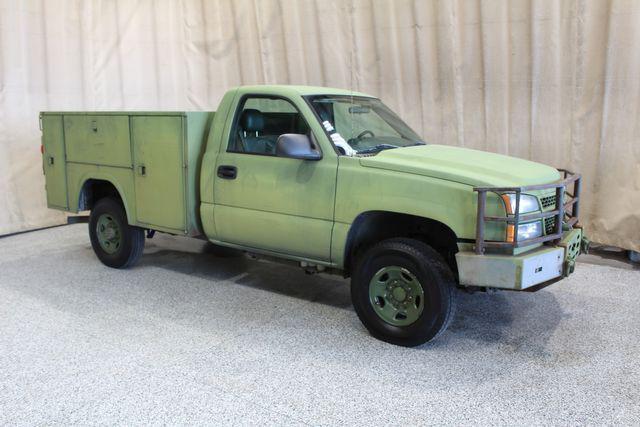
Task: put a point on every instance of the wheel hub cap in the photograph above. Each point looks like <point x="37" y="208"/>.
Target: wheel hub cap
<point x="399" y="294"/>
<point x="108" y="233"/>
<point x="396" y="296"/>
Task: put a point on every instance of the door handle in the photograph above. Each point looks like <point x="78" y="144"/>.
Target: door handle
<point x="50" y="160"/>
<point x="142" y="170"/>
<point x="227" y="172"/>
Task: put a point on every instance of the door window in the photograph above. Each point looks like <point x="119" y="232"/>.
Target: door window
<point x="259" y="123"/>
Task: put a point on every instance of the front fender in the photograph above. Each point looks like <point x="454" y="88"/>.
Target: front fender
<point x="363" y="189"/>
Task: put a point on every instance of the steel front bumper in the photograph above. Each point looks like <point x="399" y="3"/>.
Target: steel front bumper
<point x="545" y="264"/>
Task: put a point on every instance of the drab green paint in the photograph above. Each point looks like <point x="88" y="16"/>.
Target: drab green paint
<point x="163" y="164"/>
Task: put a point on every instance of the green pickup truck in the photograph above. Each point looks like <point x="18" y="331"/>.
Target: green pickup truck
<point x="329" y="179"/>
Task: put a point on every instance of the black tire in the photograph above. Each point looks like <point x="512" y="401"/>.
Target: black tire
<point x="132" y="239"/>
<point x="436" y="280"/>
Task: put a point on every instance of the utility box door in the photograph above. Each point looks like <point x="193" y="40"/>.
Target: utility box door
<point x="98" y="139"/>
<point x="54" y="161"/>
<point x="158" y="153"/>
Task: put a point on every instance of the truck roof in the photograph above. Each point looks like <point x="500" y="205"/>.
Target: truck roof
<point x="286" y="90"/>
<point x="300" y="90"/>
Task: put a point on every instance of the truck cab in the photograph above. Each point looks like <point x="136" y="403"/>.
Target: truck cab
<point x="330" y="179"/>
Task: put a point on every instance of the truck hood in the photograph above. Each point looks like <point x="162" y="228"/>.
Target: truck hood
<point x="463" y="165"/>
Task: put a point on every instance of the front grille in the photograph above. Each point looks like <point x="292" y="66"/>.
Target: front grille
<point x="548" y="201"/>
<point x="549" y="225"/>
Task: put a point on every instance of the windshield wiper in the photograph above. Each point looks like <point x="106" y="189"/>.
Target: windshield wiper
<point x="381" y="147"/>
<point x="377" y="148"/>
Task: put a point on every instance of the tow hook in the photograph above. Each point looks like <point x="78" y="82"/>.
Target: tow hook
<point x="569" y="267"/>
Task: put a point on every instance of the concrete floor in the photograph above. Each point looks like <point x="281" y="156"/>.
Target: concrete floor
<point x="186" y="337"/>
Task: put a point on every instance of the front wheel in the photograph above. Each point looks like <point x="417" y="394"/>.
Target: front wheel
<point x="403" y="292"/>
<point x="116" y="243"/>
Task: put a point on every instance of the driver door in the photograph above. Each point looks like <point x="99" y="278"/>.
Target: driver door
<point x="268" y="202"/>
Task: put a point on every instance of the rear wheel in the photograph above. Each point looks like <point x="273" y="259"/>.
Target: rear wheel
<point x="403" y="292"/>
<point x="116" y="243"/>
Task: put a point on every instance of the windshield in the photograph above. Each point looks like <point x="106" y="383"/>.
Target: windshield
<point x="361" y="125"/>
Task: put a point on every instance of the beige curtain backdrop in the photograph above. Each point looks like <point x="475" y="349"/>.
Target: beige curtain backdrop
<point x="552" y="81"/>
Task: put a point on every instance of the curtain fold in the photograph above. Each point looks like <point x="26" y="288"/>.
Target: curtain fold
<point x="554" y="82"/>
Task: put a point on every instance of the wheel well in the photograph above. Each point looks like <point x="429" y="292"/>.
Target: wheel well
<point x="372" y="227"/>
<point x="94" y="190"/>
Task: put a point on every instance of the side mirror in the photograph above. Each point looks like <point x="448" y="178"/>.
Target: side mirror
<point x="296" y="146"/>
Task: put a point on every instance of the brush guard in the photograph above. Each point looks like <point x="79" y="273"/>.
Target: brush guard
<point x="565" y="212"/>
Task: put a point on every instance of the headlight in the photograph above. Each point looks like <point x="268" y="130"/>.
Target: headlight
<point x="528" y="203"/>
<point x="530" y="230"/>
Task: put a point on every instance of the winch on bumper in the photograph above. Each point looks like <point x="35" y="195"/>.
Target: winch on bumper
<point x="554" y="253"/>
